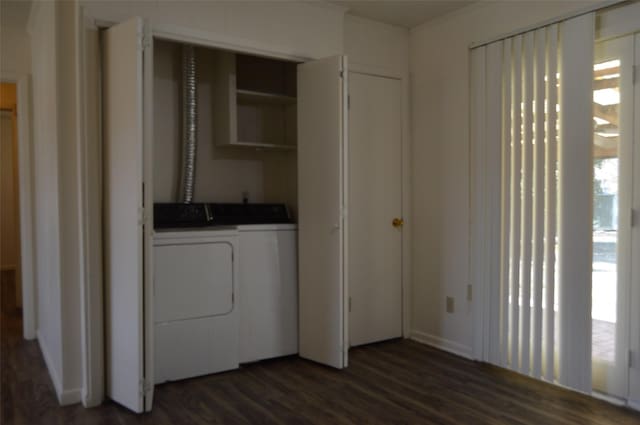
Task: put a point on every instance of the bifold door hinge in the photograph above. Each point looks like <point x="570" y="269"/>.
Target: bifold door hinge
<point x="349" y="304"/>
<point x="348" y="101"/>
<point x="633" y="218"/>
<point x="634" y="76"/>
<point x="145" y="387"/>
<point x="630" y="361"/>
<point x="145" y="42"/>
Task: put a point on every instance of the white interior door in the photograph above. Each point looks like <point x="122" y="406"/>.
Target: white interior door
<point x="375" y="203"/>
<point x="322" y="125"/>
<point x="124" y="214"/>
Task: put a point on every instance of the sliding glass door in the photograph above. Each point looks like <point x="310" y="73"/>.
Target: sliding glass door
<point x="612" y="197"/>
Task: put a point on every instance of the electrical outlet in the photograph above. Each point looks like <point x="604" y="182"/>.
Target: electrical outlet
<point x="450" y="305"/>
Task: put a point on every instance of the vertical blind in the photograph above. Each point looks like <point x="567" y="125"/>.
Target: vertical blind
<point x="531" y="201"/>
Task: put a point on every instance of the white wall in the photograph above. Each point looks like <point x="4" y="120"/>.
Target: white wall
<point x="376" y="47"/>
<point x="439" y="52"/>
<point x="45" y="157"/>
<point x="15" y="48"/>
<point x="295" y="28"/>
<point x="56" y="203"/>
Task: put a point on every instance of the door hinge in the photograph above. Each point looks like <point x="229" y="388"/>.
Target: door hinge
<point x="146" y="41"/>
<point x="634" y="74"/>
<point x="630" y="361"/>
<point x="633" y="217"/>
<point x="349" y="304"/>
<point x="341" y="74"/>
<point x="145" y="387"/>
<point x="348" y="101"/>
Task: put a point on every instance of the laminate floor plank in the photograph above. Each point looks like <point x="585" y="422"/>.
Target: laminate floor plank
<point x="394" y="382"/>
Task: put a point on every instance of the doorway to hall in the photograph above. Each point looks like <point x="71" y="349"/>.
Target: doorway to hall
<point x="10" y="260"/>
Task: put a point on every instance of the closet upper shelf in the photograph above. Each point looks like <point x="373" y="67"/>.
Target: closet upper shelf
<point x="269" y="146"/>
<point x="259" y="97"/>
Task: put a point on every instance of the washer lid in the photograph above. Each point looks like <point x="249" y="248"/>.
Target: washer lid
<point x="187" y="234"/>
<point x="266" y="227"/>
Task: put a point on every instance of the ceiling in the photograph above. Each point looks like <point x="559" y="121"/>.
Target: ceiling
<point x="405" y="13"/>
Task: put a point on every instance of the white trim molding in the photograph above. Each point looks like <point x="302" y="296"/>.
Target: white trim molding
<point x="442" y="344"/>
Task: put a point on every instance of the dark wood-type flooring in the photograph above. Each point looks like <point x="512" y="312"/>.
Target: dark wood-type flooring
<point x="396" y="382"/>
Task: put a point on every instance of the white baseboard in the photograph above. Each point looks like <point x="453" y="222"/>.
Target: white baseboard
<point x="65" y="397"/>
<point x="68" y="397"/>
<point x="634" y="405"/>
<point x="442" y="344"/>
<point x="53" y="373"/>
<point x="609" y="399"/>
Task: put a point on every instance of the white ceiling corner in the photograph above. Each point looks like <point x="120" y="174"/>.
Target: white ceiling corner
<point x="404" y="13"/>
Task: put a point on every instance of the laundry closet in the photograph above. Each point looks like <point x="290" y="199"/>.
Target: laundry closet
<point x="225" y="197"/>
<point x="225" y="186"/>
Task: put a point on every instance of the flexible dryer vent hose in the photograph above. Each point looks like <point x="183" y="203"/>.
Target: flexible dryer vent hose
<point x="189" y="124"/>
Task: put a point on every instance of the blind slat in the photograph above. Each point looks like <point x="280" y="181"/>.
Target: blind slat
<point x="493" y="130"/>
<point x="538" y="199"/>
<point x="550" y="183"/>
<point x="516" y="140"/>
<point x="478" y="122"/>
<point x="576" y="192"/>
<point x="506" y="202"/>
<point x="527" y="171"/>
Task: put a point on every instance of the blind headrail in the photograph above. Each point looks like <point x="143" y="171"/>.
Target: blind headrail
<point x="591" y="8"/>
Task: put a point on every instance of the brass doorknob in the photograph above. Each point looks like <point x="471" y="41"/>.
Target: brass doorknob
<point x="397" y="222"/>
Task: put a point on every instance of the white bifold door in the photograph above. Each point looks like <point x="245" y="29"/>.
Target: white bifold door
<point x="322" y="227"/>
<point x="127" y="226"/>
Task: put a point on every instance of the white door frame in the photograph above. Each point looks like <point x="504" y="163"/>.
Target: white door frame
<point x="25" y="188"/>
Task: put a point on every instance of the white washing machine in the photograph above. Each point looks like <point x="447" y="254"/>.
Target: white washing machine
<point x="268" y="285"/>
<point x="195" y="308"/>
